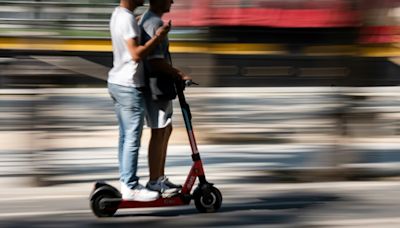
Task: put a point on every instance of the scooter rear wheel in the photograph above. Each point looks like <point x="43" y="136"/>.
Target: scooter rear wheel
<point x="98" y="208"/>
<point x="208" y="201"/>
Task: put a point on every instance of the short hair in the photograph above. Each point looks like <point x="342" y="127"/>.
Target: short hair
<point x="153" y="2"/>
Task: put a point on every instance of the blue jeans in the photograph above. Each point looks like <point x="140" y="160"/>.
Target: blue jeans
<point x="129" y="107"/>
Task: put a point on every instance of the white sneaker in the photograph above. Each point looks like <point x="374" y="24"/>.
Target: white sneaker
<point x="139" y="193"/>
<point x="164" y="186"/>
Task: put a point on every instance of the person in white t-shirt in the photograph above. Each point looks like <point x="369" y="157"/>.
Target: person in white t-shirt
<point x="125" y="85"/>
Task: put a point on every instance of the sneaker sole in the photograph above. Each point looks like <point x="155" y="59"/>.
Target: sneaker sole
<point x="169" y="194"/>
<point x="139" y="200"/>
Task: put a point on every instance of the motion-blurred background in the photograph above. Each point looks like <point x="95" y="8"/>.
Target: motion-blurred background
<point x="314" y="82"/>
<point x="297" y="100"/>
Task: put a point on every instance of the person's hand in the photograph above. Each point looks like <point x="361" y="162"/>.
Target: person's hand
<point x="179" y="75"/>
<point x="184" y="76"/>
<point x="163" y="30"/>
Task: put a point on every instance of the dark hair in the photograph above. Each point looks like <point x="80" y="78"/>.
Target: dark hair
<point x="153" y="2"/>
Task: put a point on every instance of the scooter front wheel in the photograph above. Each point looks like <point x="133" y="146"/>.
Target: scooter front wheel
<point x="207" y="201"/>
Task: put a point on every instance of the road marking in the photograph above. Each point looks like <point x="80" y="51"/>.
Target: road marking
<point x="395" y="60"/>
<point x="30" y="198"/>
<point x="42" y="213"/>
<point x="360" y="221"/>
<point x="76" y="64"/>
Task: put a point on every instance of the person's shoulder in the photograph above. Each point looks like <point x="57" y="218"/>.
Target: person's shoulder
<point x="124" y="13"/>
<point x="150" y="18"/>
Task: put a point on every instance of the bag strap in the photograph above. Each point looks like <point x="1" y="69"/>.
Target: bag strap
<point x="169" y="55"/>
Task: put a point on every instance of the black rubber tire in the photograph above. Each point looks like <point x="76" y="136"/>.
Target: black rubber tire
<point x="97" y="208"/>
<point x="207" y="201"/>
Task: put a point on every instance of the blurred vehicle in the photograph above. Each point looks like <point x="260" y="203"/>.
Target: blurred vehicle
<point x="381" y="21"/>
<point x="266" y="13"/>
<point x="372" y="21"/>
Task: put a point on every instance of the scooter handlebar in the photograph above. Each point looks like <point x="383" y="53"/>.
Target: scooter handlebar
<point x="189" y="83"/>
<point x="180" y="85"/>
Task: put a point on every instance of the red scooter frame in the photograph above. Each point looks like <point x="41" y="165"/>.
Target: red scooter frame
<point x="105" y="200"/>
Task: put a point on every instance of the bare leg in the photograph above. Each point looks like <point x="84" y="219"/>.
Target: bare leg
<point x="155" y="154"/>
<point x="167" y="134"/>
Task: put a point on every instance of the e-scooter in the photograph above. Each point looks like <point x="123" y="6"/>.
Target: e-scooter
<point x="105" y="200"/>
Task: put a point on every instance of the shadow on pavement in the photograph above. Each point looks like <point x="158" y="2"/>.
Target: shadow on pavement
<point x="276" y="209"/>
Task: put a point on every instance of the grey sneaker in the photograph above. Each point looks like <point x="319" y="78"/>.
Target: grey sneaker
<point x="170" y="184"/>
<point x="164" y="186"/>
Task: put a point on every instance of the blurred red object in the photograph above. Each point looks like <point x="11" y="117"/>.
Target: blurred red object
<point x="287" y="14"/>
<point x="380" y="34"/>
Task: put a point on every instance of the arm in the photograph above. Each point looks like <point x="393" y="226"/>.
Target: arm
<point x="139" y="51"/>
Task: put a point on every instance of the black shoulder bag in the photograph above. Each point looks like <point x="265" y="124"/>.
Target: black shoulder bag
<point x="162" y="86"/>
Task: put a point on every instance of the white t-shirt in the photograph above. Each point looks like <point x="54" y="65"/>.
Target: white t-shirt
<point x="125" y="71"/>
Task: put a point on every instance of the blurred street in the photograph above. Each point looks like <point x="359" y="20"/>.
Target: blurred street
<point x="249" y="201"/>
<point x="52" y="135"/>
<point x="287" y="157"/>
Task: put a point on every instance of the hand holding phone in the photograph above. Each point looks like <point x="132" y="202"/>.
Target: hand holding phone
<point x="164" y="30"/>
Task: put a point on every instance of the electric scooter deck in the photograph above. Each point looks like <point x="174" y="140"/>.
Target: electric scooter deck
<point x="105" y="200"/>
